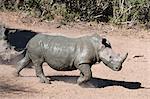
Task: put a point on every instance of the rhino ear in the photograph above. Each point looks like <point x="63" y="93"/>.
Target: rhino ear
<point x="106" y="42"/>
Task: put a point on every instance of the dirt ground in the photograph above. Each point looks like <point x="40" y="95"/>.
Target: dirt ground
<point x="132" y="82"/>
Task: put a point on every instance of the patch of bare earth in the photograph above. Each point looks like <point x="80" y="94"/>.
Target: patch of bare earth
<point x="132" y="82"/>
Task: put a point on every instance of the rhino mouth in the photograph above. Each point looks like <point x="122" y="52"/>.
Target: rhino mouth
<point x="117" y="68"/>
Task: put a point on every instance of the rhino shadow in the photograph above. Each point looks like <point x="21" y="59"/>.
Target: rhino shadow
<point x="97" y="82"/>
<point x="18" y="38"/>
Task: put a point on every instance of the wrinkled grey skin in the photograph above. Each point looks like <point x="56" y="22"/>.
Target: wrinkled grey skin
<point x="65" y="54"/>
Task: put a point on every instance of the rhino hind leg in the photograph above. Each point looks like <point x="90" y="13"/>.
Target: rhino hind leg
<point x="85" y="73"/>
<point x="39" y="70"/>
<point x="22" y="64"/>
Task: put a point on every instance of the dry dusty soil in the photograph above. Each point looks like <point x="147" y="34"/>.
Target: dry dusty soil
<point x="132" y="82"/>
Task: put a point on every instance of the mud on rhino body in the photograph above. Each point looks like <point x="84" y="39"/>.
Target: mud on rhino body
<point x="65" y="54"/>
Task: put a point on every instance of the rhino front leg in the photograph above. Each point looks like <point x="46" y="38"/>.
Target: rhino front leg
<point x="39" y="71"/>
<point x="85" y="73"/>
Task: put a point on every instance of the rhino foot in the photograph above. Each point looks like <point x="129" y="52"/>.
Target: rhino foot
<point x="80" y="80"/>
<point x="47" y="81"/>
<point x="87" y="85"/>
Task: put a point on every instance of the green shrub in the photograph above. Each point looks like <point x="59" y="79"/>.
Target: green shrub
<point x="116" y="11"/>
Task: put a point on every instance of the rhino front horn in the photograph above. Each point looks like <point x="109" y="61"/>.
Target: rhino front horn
<point x="124" y="57"/>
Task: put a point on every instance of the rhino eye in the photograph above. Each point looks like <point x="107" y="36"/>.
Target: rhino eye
<point x="110" y="57"/>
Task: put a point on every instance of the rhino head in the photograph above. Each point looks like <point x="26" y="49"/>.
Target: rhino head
<point x="109" y="57"/>
<point x="106" y="54"/>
